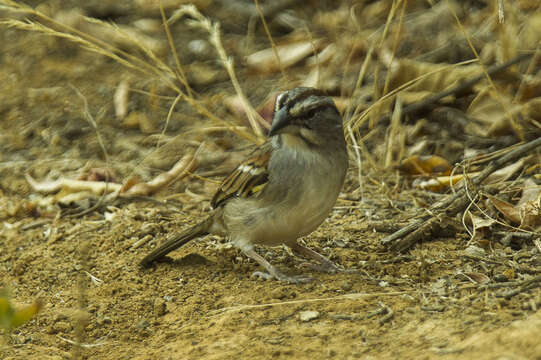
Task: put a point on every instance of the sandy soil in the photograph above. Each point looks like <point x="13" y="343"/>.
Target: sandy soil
<point x="202" y="302"/>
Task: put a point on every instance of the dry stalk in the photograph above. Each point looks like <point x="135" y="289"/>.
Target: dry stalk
<point x="367" y="154"/>
<point x="213" y="29"/>
<point x="92" y="122"/>
<point x="180" y="71"/>
<point x="495" y="92"/>
<point x="358" y="159"/>
<point x="360" y="77"/>
<point x="353" y="296"/>
<point x="271" y="41"/>
<point x="529" y="70"/>
<point x="181" y="169"/>
<point x="314" y="49"/>
<point x="377" y="95"/>
<point x="393" y="133"/>
<point x="357" y="122"/>
<point x="155" y="68"/>
<point x="474" y="200"/>
<point x="169" y="115"/>
<point x="396" y="42"/>
<point x="88" y="116"/>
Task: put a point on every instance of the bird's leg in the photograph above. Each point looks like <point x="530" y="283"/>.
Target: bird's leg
<point x="326" y="265"/>
<point x="272" y="272"/>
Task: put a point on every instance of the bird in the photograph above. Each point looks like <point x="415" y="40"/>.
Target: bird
<point x="284" y="189"/>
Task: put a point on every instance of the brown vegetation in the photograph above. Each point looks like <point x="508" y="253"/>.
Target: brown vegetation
<point x="117" y="120"/>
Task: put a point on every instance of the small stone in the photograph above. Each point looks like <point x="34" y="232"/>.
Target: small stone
<point x="59" y="317"/>
<point x="159" y="307"/>
<point x="143" y="324"/>
<point x="103" y="320"/>
<point x="473" y="250"/>
<point x="509" y="274"/>
<point x="279" y="293"/>
<point x="339" y="243"/>
<point x="19" y="268"/>
<point x="62" y="327"/>
<point x="306" y="316"/>
<point x="410" y="310"/>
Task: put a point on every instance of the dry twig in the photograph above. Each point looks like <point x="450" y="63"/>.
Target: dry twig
<point x="523" y="286"/>
<point x="430" y="101"/>
<point x="424" y="226"/>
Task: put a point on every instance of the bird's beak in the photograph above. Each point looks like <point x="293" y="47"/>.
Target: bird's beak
<point x="279" y="121"/>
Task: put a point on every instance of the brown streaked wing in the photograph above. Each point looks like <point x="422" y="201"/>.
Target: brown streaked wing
<point x="247" y="178"/>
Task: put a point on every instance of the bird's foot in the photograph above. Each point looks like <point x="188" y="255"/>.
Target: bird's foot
<point x="272" y="272"/>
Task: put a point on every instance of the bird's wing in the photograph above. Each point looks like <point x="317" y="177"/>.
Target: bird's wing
<point x="248" y="179"/>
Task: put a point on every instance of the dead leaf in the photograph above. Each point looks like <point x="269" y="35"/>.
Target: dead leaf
<point x="477" y="278"/>
<point x="506" y="209"/>
<point x="440" y="183"/>
<point x="138" y="119"/>
<point x="181" y="169"/>
<point x="290" y="54"/>
<point x="425" y="165"/>
<point x="493" y="111"/>
<point x="504" y="173"/>
<point x="404" y="70"/>
<point x="201" y="74"/>
<point x="479" y="222"/>
<point x="527" y="213"/>
<point x="121" y="99"/>
<point x="530" y="204"/>
<point x="265" y="110"/>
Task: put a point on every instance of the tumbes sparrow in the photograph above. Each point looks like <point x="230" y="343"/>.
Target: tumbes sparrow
<point x="285" y="189"/>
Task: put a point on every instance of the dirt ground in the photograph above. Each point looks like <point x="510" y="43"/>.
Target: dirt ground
<point x="426" y="303"/>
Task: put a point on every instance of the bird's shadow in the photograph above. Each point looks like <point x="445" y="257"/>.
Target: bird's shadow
<point x="192" y="259"/>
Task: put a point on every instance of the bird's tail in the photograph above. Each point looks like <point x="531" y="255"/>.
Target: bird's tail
<point x="176" y="240"/>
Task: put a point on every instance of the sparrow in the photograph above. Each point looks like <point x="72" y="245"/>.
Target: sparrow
<point x="285" y="188"/>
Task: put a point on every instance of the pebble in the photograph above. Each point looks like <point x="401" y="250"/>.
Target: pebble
<point x="473" y="250"/>
<point x="159" y="307"/>
<point x="306" y="316"/>
<point x="61" y="327"/>
<point x="279" y="293"/>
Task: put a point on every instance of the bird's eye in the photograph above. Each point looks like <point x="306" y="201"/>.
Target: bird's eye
<point x="310" y="114"/>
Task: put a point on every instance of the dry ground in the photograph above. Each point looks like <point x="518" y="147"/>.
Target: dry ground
<point x="202" y="302"/>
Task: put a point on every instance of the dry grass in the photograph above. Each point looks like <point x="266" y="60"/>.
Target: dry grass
<point x="384" y="58"/>
<point x="152" y="66"/>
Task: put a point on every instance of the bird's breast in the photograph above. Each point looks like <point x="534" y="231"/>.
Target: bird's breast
<point x="302" y="189"/>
